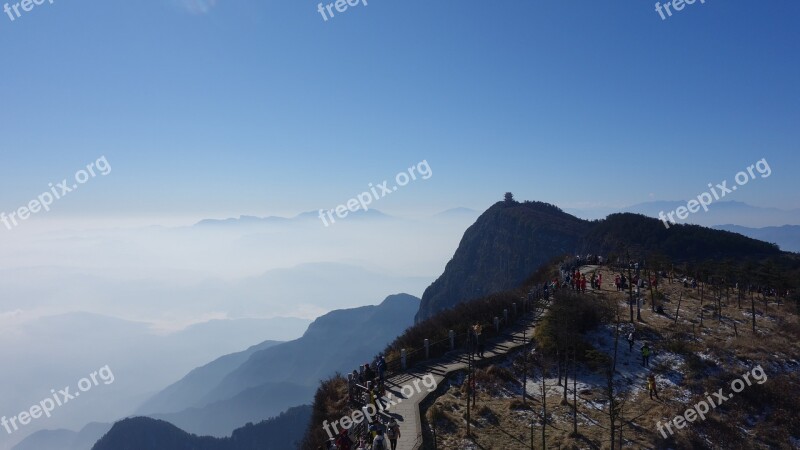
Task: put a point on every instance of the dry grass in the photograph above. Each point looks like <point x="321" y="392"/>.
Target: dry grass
<point x="762" y="416"/>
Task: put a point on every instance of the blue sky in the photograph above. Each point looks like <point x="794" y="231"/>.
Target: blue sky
<point x="261" y="107"/>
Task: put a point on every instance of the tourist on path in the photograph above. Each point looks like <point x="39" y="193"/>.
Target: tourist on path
<point x="646" y="355"/>
<point x="381" y="368"/>
<point x="369" y="374"/>
<point x="379" y="443"/>
<point x="393" y="433"/>
<point x="651" y="386"/>
<point x="477" y="330"/>
<point x="631" y="340"/>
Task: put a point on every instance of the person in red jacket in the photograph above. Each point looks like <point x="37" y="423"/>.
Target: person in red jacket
<point x="343" y="442"/>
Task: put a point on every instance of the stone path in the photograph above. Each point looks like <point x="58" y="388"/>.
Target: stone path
<point x="407" y="412"/>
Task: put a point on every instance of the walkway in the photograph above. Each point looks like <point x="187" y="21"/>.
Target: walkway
<point x="407" y="412"/>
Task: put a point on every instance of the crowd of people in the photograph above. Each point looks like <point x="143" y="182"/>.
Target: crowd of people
<point x="572" y="278"/>
<point x="378" y="436"/>
<point x="367" y="385"/>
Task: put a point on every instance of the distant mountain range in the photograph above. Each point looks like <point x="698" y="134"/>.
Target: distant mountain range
<point x="218" y="398"/>
<point x="261" y="382"/>
<point x="310" y="216"/>
<point x="143" y="361"/>
<point x="183" y="393"/>
<point x="787" y="237"/>
<point x="64" y="439"/>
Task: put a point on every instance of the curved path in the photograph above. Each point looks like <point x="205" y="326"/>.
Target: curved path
<point x="407" y="410"/>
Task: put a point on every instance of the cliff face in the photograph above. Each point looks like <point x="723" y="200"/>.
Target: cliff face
<point x="505" y="245"/>
<point x="511" y="240"/>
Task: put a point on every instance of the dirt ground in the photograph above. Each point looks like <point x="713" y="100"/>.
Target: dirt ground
<point x="689" y="360"/>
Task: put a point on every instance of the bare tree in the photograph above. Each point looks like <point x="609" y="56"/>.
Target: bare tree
<point x="616" y="401"/>
<point x="575" y="392"/>
<point x="702" y="293"/>
<point x="434" y="414"/>
<point x="613" y="406"/>
<point x="545" y="366"/>
<point x="679" y="307"/>
<point x="630" y="292"/>
<point x="753" y="308"/>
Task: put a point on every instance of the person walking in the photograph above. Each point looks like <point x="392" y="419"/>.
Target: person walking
<point x="651" y="386"/>
<point x="369" y="374"/>
<point x="393" y="433"/>
<point x="374" y="428"/>
<point x="477" y="330"/>
<point x="376" y="398"/>
<point x="381" y="368"/>
<point x="646" y="355"/>
<point x="631" y="339"/>
<point x="379" y="443"/>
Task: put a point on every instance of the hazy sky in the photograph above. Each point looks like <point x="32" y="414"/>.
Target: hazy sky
<point x="206" y="109"/>
<point x="213" y="109"/>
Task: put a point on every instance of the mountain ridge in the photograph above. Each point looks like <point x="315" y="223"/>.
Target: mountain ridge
<point x="286" y="374"/>
<point x="510" y="240"/>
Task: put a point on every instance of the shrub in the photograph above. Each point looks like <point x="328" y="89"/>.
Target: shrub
<point x="460" y="319"/>
<point x="330" y="403"/>
<point x="517" y="404"/>
<point x="597" y="360"/>
<point x="569" y="316"/>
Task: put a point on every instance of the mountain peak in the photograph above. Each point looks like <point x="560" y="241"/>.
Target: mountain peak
<point x="508" y="242"/>
<point x="399" y="299"/>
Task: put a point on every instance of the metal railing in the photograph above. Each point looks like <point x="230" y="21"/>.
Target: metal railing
<point x="359" y="389"/>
